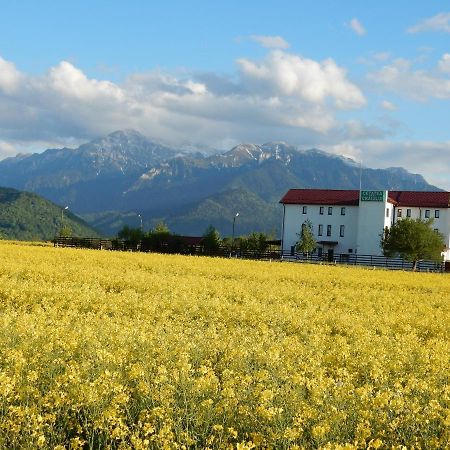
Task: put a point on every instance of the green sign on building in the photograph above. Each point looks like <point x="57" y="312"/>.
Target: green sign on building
<point x="372" y="196"/>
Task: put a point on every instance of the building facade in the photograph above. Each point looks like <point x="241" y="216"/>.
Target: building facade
<point x="352" y="221"/>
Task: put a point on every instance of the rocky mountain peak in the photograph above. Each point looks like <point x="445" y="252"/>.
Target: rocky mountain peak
<point x="124" y="150"/>
<point x="116" y="141"/>
<point x="246" y="153"/>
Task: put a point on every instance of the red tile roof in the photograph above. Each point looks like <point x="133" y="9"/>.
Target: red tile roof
<point x="320" y="197"/>
<point x="351" y="197"/>
<point x="414" y="198"/>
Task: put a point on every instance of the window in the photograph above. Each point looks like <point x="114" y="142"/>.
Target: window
<point x="427" y="214"/>
<point x="341" y="230"/>
<point x="343" y="211"/>
<point x="328" y="230"/>
<point x="330" y="210"/>
<point x="436" y="214"/>
<point x="320" y="232"/>
<point x="408" y="213"/>
<point x="304" y="209"/>
<point x="387" y="212"/>
<point x="321" y="209"/>
<point x="399" y="212"/>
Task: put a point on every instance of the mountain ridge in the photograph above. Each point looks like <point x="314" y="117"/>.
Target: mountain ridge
<point x="125" y="174"/>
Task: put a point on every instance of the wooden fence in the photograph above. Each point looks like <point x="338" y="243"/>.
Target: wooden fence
<point x="78" y="242"/>
<point x="271" y="254"/>
<point x="366" y="260"/>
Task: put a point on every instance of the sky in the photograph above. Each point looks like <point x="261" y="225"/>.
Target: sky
<point x="368" y="80"/>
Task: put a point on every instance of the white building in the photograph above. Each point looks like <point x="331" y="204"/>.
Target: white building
<point x="352" y="221"/>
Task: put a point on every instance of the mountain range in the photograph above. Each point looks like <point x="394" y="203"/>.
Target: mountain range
<point x="125" y="177"/>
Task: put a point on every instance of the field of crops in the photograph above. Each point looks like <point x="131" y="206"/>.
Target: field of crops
<point x="118" y="350"/>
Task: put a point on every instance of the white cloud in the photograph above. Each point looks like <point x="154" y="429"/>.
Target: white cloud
<point x="427" y="158"/>
<point x="270" y="41"/>
<point x="430" y="159"/>
<point x="7" y="149"/>
<point x="10" y="77"/>
<point x="399" y="77"/>
<point x="72" y="82"/>
<point x="439" y="22"/>
<point x="346" y="149"/>
<point x="282" y="94"/>
<point x="357" y="27"/>
<point x="287" y="75"/>
<point x="388" y="106"/>
<point x="444" y="63"/>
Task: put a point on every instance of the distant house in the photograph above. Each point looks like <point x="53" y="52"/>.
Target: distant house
<point x="352" y="221"/>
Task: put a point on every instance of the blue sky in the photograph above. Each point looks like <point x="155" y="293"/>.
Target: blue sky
<point x="370" y="80"/>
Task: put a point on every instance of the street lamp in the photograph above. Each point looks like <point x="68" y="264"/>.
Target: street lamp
<point x="62" y="218"/>
<point x="232" y="236"/>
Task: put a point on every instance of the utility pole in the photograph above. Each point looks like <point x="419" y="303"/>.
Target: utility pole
<point x="232" y="236"/>
<point x="62" y="218"/>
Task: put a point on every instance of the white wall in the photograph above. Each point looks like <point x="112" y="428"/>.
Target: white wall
<point x="371" y="223"/>
<point x="294" y="218"/>
<point x="443" y="225"/>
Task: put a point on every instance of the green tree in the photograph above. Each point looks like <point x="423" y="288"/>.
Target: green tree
<point x="211" y="240"/>
<point x="65" y="231"/>
<point x="306" y="242"/>
<point x="158" y="238"/>
<point x="161" y="228"/>
<point x="255" y="242"/>
<point x="130" y="234"/>
<point x="413" y="240"/>
<point x="132" y="237"/>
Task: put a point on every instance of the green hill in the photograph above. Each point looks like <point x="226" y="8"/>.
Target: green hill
<point x="255" y="214"/>
<point x="26" y="216"/>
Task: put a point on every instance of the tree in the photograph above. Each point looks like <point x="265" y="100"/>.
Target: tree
<point x="132" y="237"/>
<point x="211" y="240"/>
<point x="255" y="242"/>
<point x="161" y="228"/>
<point x="306" y="243"/>
<point x="130" y="234"/>
<point x="65" y="231"/>
<point x="158" y="238"/>
<point x="413" y="240"/>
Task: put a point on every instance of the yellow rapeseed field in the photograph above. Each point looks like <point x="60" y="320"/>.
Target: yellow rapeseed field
<point x="118" y="350"/>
